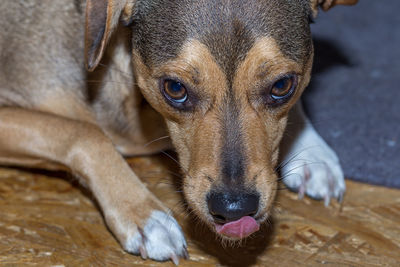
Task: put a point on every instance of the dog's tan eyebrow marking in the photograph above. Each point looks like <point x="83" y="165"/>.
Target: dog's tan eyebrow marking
<point x="196" y="64"/>
<point x="265" y="59"/>
<point x="181" y="69"/>
<point x="191" y="71"/>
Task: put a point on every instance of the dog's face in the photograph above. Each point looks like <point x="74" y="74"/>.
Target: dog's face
<point x="224" y="75"/>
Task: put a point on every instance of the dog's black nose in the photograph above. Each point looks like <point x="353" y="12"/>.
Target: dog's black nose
<point x="229" y="206"/>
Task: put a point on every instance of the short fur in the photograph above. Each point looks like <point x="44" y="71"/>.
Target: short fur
<point x="227" y="53"/>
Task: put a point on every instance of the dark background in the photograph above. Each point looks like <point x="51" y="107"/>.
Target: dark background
<point x="353" y="99"/>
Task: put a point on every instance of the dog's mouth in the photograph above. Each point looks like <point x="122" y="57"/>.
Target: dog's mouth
<point x="238" y="229"/>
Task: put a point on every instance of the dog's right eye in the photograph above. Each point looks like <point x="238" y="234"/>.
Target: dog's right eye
<point x="175" y="91"/>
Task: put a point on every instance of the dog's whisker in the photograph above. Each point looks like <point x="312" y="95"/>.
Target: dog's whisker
<point x="177" y="162"/>
<point x="178" y="175"/>
<point x="287" y="161"/>
<point x="258" y="173"/>
<point x="297" y="167"/>
<point x="281" y="188"/>
<point x="157" y="139"/>
<point x="171" y="184"/>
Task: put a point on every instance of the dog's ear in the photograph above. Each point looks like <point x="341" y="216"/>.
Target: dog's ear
<point x="327" y="4"/>
<point x="102" y="18"/>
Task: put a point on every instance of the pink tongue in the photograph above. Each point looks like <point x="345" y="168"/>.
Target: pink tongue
<point x="240" y="228"/>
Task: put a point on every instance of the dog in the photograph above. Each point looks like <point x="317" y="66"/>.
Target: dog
<point x="222" y="79"/>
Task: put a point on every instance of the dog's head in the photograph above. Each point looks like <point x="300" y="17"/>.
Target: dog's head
<point x="224" y="75"/>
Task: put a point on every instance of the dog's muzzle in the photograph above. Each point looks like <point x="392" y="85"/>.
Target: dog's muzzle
<point x="233" y="213"/>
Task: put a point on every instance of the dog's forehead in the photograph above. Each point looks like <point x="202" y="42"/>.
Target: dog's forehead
<point x="228" y="28"/>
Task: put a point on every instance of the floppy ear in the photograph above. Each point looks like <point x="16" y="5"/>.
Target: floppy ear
<point x="102" y="18"/>
<point x="327" y="4"/>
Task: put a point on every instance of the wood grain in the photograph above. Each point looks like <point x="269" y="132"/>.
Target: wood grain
<point x="46" y="219"/>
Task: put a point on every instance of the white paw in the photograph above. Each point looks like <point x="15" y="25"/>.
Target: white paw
<point x="315" y="172"/>
<point x="310" y="166"/>
<point x="161" y="239"/>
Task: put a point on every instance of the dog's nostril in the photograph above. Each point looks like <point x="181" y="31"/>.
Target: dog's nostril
<point x="227" y="207"/>
<point x="219" y="219"/>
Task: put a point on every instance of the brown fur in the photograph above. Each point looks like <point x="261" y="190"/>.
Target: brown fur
<point x="53" y="111"/>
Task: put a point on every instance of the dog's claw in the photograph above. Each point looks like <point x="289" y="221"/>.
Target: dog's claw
<point x="327" y="200"/>
<point x="175" y="259"/>
<point x="340" y="197"/>
<point x="143" y="252"/>
<point x="185" y="253"/>
<point x="302" y="190"/>
<point x="304" y="180"/>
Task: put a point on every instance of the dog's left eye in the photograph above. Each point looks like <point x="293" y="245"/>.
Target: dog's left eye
<point x="174" y="91"/>
<point x="283" y="88"/>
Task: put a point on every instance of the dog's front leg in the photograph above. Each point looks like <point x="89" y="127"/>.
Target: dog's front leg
<point x="137" y="218"/>
<point x="309" y="165"/>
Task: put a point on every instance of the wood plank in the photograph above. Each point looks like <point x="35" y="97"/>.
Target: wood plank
<point x="47" y="219"/>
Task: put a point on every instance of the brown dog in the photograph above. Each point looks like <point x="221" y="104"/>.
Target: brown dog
<point x="220" y="75"/>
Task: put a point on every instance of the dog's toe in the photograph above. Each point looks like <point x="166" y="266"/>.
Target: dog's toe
<point x="160" y="239"/>
<point x="317" y="173"/>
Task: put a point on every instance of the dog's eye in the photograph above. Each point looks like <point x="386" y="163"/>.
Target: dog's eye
<point x="283" y="88"/>
<point x="175" y="91"/>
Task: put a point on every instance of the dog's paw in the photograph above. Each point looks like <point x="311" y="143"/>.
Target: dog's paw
<point x="160" y="239"/>
<point x="311" y="167"/>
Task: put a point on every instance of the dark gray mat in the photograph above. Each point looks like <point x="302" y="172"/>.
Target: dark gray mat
<point x="353" y="99"/>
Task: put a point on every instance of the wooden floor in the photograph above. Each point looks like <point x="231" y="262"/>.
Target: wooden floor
<point x="49" y="221"/>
